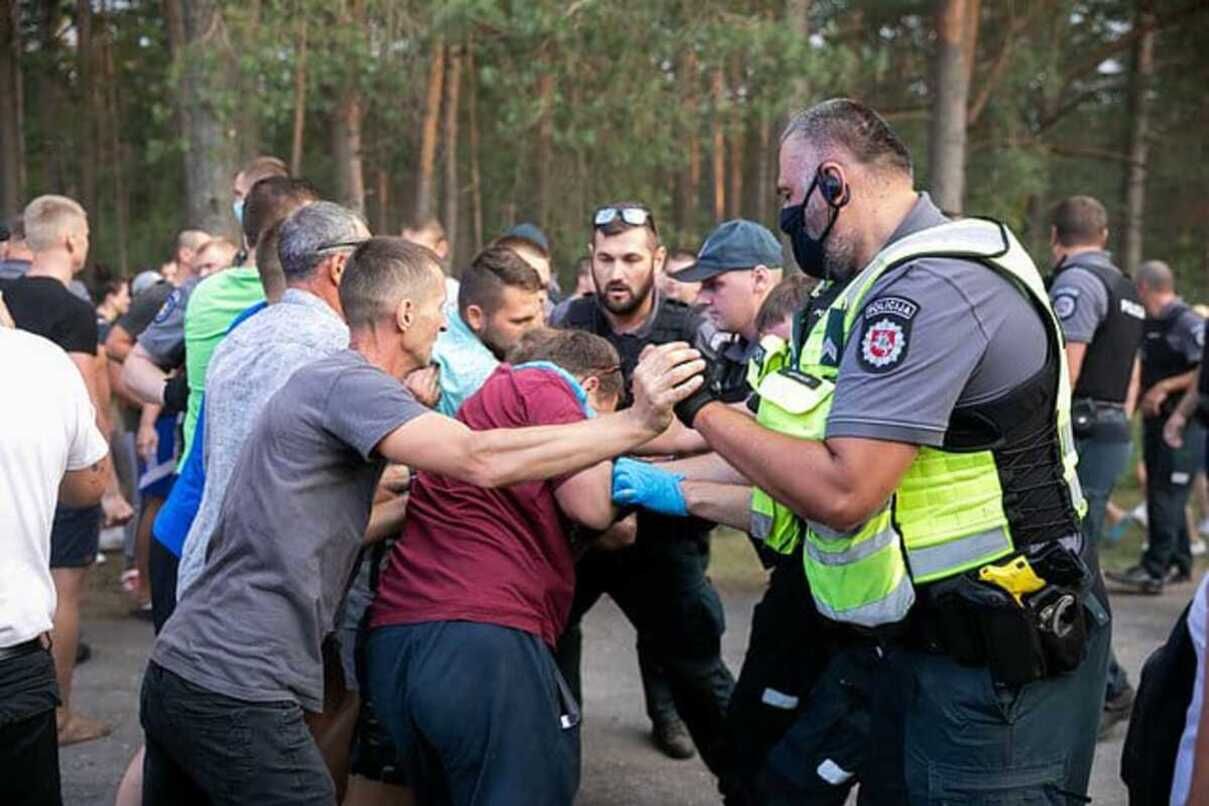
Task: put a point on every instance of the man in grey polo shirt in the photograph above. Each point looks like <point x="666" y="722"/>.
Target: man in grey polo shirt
<point x="240" y="659"/>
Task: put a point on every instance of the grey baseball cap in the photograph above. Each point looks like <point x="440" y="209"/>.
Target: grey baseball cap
<point x="736" y="245"/>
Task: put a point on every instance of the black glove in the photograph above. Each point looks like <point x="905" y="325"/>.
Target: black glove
<point x="708" y="392"/>
<point x="176" y="394"/>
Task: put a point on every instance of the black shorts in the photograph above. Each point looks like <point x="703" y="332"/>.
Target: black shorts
<point x="75" y="536"/>
<point x="29" y="742"/>
<point x="162" y="567"/>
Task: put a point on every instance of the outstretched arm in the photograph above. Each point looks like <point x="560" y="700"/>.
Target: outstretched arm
<point x="499" y="457"/>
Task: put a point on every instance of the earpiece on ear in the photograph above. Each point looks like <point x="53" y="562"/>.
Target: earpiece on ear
<point x="830" y="186"/>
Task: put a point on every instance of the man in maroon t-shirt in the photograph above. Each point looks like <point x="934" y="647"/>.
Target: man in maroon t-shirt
<point x="478" y="589"/>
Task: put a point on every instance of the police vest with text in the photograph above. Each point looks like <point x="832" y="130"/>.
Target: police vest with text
<point x="1160" y="360"/>
<point x="1003" y="481"/>
<point x="1108" y="362"/>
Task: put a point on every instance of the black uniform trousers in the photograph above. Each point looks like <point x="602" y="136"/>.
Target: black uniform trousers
<point x="1169" y="474"/>
<point x="786" y="653"/>
<point x="660" y="585"/>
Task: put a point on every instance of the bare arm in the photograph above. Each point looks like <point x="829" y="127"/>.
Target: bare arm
<point x="119" y="343"/>
<point x="587" y="497"/>
<point x="1152" y="401"/>
<point x="727" y="504"/>
<point x="1135" y="386"/>
<point x="675" y="441"/>
<point x="85" y="487"/>
<point x="706" y="467"/>
<point x="838" y="482"/>
<point x="1199" y="791"/>
<point x="499" y="457"/>
<point x="143" y="377"/>
<point x="385" y="519"/>
<point x="1075" y="352"/>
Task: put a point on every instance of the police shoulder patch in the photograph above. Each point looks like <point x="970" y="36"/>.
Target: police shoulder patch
<point x="1065" y="305"/>
<point x="887" y="333"/>
<point x="168" y="307"/>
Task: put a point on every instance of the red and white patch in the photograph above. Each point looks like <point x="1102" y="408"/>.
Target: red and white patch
<point x="883" y="344"/>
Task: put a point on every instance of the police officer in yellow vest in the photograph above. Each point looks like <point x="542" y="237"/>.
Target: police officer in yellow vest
<point x="914" y="440"/>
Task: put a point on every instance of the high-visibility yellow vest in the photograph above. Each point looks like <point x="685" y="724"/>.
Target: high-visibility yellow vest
<point x="947" y="515"/>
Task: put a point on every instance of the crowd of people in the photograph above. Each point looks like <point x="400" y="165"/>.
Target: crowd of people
<point x="369" y="495"/>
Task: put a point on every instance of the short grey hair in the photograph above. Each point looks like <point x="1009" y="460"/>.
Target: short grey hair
<point x="848" y="124"/>
<point x="309" y="229"/>
<point x="1157" y="275"/>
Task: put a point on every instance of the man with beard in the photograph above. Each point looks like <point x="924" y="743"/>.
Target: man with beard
<point x="499" y="300"/>
<point x="916" y="445"/>
<point x="660" y="581"/>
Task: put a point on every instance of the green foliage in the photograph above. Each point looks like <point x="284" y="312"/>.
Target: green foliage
<point x="631" y="91"/>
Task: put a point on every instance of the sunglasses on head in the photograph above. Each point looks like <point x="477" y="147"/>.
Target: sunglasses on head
<point x="634" y="216"/>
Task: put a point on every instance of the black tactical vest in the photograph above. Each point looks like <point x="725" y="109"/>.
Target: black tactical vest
<point x="674" y="321"/>
<point x="1159" y="359"/>
<point x="1108" y="362"/>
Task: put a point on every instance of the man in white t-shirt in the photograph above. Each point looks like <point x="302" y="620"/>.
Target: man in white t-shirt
<point x="50" y="451"/>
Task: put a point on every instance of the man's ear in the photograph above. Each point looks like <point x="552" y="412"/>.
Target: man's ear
<point x="761" y="279"/>
<point x="590" y="384"/>
<point x="1053" y="235"/>
<point x="405" y="314"/>
<point x="336" y="269"/>
<point x="475" y="318"/>
<point x="659" y="258"/>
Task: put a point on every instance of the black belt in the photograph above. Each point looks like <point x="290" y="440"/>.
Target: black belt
<point x="20" y="650"/>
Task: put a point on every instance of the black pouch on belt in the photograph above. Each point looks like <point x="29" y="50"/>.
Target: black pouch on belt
<point x="978" y="624"/>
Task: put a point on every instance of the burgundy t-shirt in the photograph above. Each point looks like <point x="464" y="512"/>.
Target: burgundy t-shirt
<point x="497" y="556"/>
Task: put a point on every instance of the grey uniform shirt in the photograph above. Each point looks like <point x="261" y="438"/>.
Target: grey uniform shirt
<point x="933" y="334"/>
<point x="281" y="556"/>
<point x="164" y="338"/>
<point x="1080" y="300"/>
<point x="252" y="363"/>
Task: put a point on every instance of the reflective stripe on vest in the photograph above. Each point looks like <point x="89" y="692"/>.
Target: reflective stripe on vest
<point x="947" y="515"/>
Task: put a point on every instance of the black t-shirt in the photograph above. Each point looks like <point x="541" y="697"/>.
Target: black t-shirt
<point x="44" y="306"/>
<point x="143" y="308"/>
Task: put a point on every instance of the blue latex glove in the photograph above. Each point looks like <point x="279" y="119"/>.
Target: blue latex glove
<point x="641" y="484"/>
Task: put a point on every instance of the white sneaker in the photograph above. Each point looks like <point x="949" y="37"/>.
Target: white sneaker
<point x="1197" y="544"/>
<point x="1138" y="514"/>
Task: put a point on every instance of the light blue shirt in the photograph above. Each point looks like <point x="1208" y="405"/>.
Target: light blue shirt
<point x="465" y="364"/>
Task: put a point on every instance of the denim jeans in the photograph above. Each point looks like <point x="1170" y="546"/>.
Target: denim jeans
<point x="1103" y="458"/>
<point x="207" y="748"/>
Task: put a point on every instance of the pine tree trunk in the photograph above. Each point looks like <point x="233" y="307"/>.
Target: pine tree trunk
<point x="347" y="149"/>
<point x="210" y="151"/>
<point x="299" y="130"/>
<point x="453" y="85"/>
<point x="382" y="224"/>
<point x="87" y="105"/>
<point x="1139" y="132"/>
<point x="738" y="148"/>
<point x="689" y="184"/>
<point x="545" y="141"/>
<point x="718" y="92"/>
<point x="118" y="158"/>
<point x="476" y="187"/>
<point x="12" y="148"/>
<point x="764" y="157"/>
<point x="428" y="133"/>
<point x="950" y="91"/>
<point x="797" y="17"/>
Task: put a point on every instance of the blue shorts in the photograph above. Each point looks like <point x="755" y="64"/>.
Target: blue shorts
<point x="156" y="478"/>
<point x="479" y="713"/>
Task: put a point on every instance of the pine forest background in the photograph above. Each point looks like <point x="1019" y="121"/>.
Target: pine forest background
<point x="489" y="112"/>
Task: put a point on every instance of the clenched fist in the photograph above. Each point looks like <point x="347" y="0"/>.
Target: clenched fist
<point x="665" y="375"/>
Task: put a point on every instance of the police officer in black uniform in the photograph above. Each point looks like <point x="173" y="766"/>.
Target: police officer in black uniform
<point x="1173" y="340"/>
<point x="659" y="582"/>
<point x="1102" y="319"/>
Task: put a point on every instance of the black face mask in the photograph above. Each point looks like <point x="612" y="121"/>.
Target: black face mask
<point x="807" y="250"/>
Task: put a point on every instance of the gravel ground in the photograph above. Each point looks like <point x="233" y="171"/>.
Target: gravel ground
<point x="620" y="766"/>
